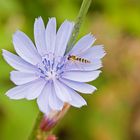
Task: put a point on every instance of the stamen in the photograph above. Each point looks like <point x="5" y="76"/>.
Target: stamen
<point x="51" y="66"/>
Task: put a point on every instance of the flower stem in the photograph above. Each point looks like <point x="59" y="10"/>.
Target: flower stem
<point x="82" y="13"/>
<point x="34" y="133"/>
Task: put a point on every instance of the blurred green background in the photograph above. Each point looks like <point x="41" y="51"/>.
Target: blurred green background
<point x="113" y="111"/>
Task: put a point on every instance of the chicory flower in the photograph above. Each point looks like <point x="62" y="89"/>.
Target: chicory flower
<point x="46" y="72"/>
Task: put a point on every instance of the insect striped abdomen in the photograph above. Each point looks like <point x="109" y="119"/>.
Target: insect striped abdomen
<point x="79" y="59"/>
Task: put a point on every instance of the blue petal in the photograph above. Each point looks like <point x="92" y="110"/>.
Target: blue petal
<point x="30" y="90"/>
<point x="39" y="35"/>
<point x="83" y="44"/>
<point x="78" y="86"/>
<point x="62" y="38"/>
<point x="18" y="63"/>
<point x="76" y="99"/>
<point x="81" y="76"/>
<point x="51" y="35"/>
<point x="61" y="91"/>
<point x="95" y="52"/>
<point x="43" y="100"/>
<point x="20" y="78"/>
<point x="54" y="102"/>
<point x="35" y="90"/>
<point x="25" y="48"/>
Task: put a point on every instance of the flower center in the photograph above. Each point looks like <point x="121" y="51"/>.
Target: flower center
<point x="51" y="66"/>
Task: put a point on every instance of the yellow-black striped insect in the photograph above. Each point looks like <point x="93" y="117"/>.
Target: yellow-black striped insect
<point x="78" y="59"/>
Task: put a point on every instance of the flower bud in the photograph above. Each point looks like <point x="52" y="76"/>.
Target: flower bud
<point x="49" y="121"/>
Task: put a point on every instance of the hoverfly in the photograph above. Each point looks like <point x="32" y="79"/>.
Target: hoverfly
<point x="78" y="59"/>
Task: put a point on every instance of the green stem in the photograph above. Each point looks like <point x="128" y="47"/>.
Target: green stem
<point x="33" y="135"/>
<point x="82" y="13"/>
